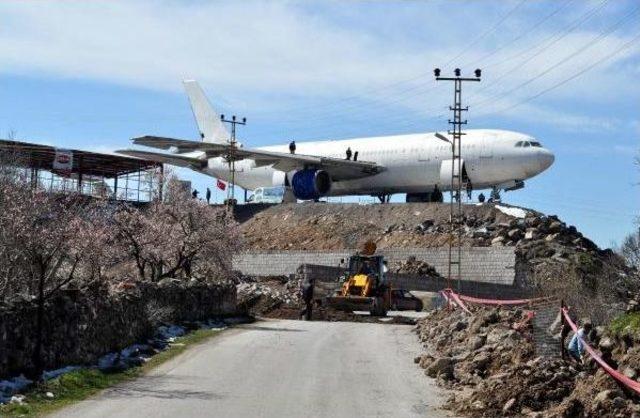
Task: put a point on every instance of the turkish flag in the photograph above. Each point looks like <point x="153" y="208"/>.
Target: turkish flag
<point x="221" y="184"/>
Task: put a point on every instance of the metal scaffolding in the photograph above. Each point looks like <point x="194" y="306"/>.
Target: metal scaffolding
<point x="87" y="173"/>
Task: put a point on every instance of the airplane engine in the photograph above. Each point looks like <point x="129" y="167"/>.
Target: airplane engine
<point x="310" y="184"/>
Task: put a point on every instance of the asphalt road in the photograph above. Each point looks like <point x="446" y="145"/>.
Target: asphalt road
<point x="282" y="369"/>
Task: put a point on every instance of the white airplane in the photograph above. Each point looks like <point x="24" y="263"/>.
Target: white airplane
<point x="419" y="165"/>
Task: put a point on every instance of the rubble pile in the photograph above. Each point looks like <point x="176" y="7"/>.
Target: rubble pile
<point x="319" y="226"/>
<point x="260" y="295"/>
<point x="413" y="266"/>
<point x="490" y="358"/>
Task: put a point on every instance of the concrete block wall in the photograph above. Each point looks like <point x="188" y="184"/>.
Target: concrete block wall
<point x="494" y="265"/>
<point x="325" y="281"/>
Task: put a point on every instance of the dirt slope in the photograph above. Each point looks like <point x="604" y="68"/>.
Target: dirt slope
<point x="321" y="226"/>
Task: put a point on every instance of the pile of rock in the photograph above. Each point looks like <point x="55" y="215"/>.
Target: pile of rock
<point x="413" y="266"/>
<point x="264" y="294"/>
<point x="502" y="376"/>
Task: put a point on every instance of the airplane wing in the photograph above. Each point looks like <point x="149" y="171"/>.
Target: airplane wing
<point x="338" y="169"/>
<point x="177" y="160"/>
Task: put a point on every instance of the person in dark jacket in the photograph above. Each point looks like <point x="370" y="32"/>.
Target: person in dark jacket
<point x="349" y="153"/>
<point x="307" y="297"/>
<point x="292" y="147"/>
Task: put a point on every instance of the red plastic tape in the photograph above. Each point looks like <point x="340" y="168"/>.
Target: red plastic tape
<point x="501" y="302"/>
<point x="457" y="299"/>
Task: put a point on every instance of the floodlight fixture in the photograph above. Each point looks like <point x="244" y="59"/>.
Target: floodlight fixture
<point x="478" y="72"/>
<point x="443" y="138"/>
<point x="436" y="72"/>
<point x="457" y="72"/>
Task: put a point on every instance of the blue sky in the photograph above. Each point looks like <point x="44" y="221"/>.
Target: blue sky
<point x="91" y="75"/>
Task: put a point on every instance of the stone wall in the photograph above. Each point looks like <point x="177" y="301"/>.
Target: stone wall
<point x="496" y="265"/>
<point x="81" y="326"/>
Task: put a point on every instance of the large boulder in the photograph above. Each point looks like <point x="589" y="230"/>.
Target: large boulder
<point x="441" y="366"/>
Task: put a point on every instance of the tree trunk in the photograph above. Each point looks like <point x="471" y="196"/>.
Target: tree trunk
<point x="37" y="354"/>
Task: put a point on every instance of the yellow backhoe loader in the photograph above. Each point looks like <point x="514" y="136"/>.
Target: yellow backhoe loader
<point x="365" y="287"/>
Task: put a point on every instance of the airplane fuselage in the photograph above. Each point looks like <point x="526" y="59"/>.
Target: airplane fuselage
<point x="413" y="163"/>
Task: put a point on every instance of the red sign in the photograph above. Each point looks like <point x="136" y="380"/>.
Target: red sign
<point x="63" y="162"/>
<point x="221" y="184"/>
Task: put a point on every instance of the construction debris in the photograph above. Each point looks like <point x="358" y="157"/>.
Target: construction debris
<point x="413" y="266"/>
<point x="497" y="372"/>
<point x="556" y="257"/>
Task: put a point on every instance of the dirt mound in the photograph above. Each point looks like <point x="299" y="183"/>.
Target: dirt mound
<point x="491" y="355"/>
<point x="322" y="226"/>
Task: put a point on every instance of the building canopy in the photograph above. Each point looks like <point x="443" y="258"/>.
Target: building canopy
<point x="43" y="157"/>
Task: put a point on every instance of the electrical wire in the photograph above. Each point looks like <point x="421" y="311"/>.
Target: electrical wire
<point x="572" y="77"/>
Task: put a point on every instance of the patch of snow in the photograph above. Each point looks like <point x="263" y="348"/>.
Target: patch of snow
<point x="52" y="374"/>
<point x="511" y="211"/>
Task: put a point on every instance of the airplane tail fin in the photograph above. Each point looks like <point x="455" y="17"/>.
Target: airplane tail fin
<point x="209" y="124"/>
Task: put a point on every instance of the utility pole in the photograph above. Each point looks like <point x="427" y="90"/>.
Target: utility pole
<point x="231" y="156"/>
<point x="455" y="216"/>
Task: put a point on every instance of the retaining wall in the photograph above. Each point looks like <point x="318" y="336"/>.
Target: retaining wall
<point x="496" y="265"/>
<point x="79" y="327"/>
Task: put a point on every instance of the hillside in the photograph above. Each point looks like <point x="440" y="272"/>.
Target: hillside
<point x="557" y="258"/>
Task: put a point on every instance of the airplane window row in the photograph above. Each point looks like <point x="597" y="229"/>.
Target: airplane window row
<point x="528" y="144"/>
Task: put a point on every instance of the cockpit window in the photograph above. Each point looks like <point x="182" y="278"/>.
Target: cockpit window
<point x="527" y="144"/>
<point x="519" y="143"/>
<point x="536" y="144"/>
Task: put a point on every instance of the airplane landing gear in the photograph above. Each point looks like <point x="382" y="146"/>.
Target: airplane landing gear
<point x="495" y="195"/>
<point x="384" y="198"/>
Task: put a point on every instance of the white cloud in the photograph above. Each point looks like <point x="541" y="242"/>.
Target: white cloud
<point x="256" y="55"/>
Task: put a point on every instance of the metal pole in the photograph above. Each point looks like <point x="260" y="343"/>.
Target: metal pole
<point x="231" y="157"/>
<point x="455" y="208"/>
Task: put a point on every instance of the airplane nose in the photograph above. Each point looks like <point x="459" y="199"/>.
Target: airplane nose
<point x="545" y="159"/>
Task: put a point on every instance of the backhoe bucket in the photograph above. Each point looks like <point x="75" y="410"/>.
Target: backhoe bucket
<point x="349" y="303"/>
